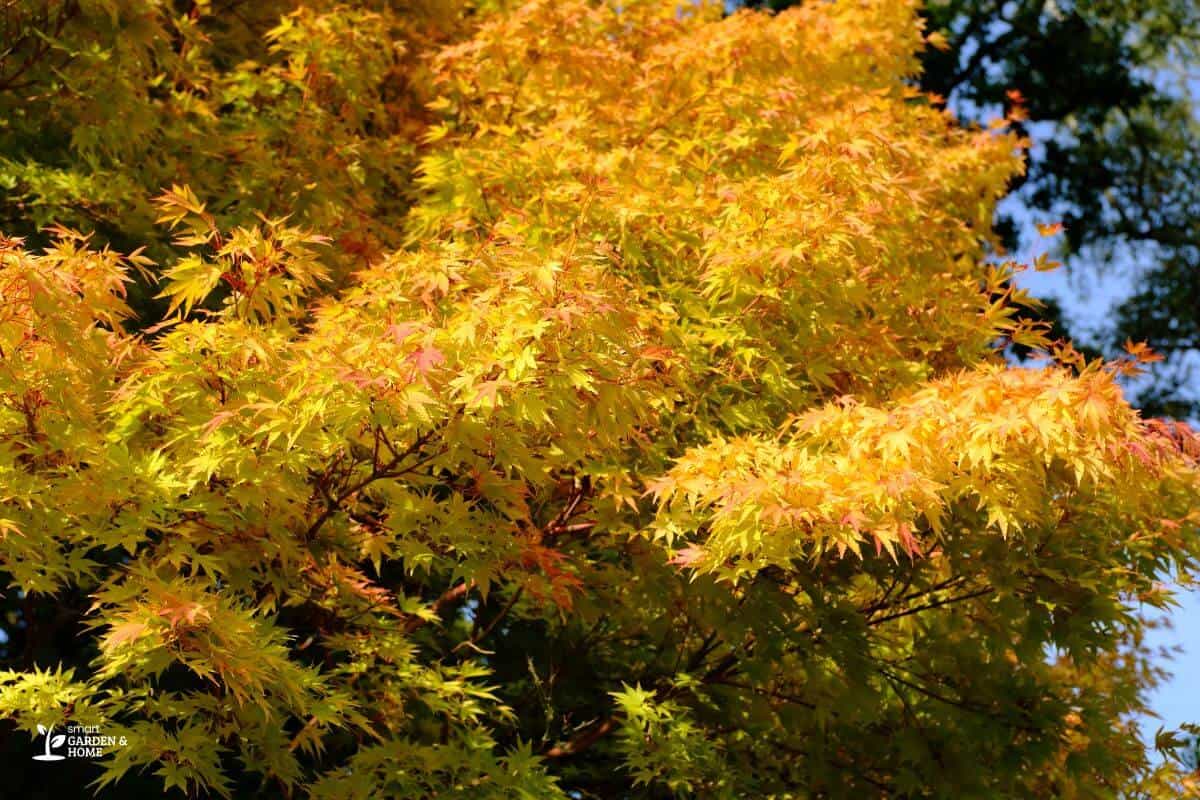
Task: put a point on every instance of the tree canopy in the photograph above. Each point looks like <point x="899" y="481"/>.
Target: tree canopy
<point x="557" y="399"/>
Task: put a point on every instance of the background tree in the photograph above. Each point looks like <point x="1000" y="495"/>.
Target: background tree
<point x="1191" y="753"/>
<point x="672" y="454"/>
<point x="1111" y="85"/>
<point x="1108" y="88"/>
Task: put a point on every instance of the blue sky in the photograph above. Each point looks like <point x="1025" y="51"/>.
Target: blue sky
<point x="1178" y="701"/>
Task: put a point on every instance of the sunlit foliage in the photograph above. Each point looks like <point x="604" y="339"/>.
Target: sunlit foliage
<point x="660" y="443"/>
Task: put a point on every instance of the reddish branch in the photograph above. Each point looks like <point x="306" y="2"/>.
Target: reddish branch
<point x="334" y="500"/>
<point x="444" y="601"/>
<point x="584" y="740"/>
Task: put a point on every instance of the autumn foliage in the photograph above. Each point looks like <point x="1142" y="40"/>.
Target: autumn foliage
<point x="564" y="399"/>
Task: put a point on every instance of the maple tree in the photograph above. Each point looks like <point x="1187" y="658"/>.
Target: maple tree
<point x="632" y="421"/>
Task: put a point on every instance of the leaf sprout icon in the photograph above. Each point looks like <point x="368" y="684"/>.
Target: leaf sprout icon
<point x="51" y="741"/>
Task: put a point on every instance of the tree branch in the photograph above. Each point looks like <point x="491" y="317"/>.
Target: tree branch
<point x="584" y="740"/>
<point x="936" y="604"/>
<point x="483" y="634"/>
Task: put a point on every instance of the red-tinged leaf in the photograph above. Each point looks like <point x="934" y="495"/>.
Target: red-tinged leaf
<point x="660" y="487"/>
<point x="217" y="420"/>
<point x="487" y="391"/>
<point x="427" y="359"/>
<point x="854" y="519"/>
<point x="186" y="611"/>
<point x="402" y="330"/>
<point x="551" y="563"/>
<point x="124" y="633"/>
<point x="907" y="540"/>
<point x="1140" y="452"/>
<point x="346" y="578"/>
<point x="360" y="379"/>
<point x="1049" y="229"/>
<point x="161" y="326"/>
<point x="688" y="556"/>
